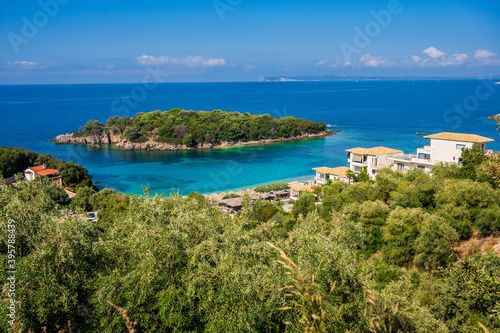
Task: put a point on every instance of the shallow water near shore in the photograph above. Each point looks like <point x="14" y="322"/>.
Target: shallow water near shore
<point x="369" y="113"/>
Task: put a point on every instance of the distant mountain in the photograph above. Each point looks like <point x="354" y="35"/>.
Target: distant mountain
<point x="355" y="78"/>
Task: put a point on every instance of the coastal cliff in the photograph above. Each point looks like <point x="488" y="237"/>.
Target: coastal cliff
<point x="119" y="141"/>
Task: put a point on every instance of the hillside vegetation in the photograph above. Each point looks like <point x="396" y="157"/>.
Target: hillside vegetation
<point x="15" y="160"/>
<point x="376" y="256"/>
<point x="198" y="127"/>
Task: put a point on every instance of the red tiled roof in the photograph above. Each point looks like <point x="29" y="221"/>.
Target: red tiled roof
<point x="37" y="168"/>
<point x="46" y="172"/>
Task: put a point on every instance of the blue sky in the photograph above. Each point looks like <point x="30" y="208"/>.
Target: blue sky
<point x="69" y="41"/>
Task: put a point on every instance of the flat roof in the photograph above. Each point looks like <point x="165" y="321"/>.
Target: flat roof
<point x="459" y="137"/>
<point x="375" y="151"/>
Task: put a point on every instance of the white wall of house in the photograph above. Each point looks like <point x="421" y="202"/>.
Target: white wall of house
<point x="29" y="174"/>
<point x="447" y="150"/>
<point x="322" y="178"/>
<point x="337" y="178"/>
<point x="372" y="163"/>
<point x="294" y="195"/>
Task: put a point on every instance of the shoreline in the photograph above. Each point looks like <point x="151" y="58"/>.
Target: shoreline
<point x="119" y="142"/>
<point x="251" y="188"/>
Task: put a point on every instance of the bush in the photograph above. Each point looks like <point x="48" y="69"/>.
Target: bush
<point x="459" y="218"/>
<point x="488" y="220"/>
<point x="263" y="210"/>
<point x="271" y="187"/>
<point x="231" y="196"/>
<point x="304" y="205"/>
<point x="400" y="232"/>
<point x="82" y="199"/>
<point x="58" y="195"/>
<point x="74" y="175"/>
<point x="372" y="215"/>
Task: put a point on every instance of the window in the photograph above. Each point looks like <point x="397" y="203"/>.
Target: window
<point x="424" y="156"/>
<point x="374" y="171"/>
<point x="421" y="167"/>
<point x="460" y="147"/>
<point x="357" y="158"/>
<point x="401" y="166"/>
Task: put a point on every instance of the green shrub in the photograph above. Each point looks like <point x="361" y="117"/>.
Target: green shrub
<point x="488" y="220"/>
<point x="230" y="196"/>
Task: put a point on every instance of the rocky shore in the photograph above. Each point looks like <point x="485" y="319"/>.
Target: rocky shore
<point x="495" y="117"/>
<point x="117" y="140"/>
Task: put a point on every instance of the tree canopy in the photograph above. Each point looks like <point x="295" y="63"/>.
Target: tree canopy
<point x="15" y="160"/>
<point x="198" y="127"/>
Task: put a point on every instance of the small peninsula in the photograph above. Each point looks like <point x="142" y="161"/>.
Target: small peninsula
<point x="186" y="130"/>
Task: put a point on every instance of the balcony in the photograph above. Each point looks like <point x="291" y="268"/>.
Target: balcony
<point x="362" y="163"/>
<point x="424" y="150"/>
<point x="412" y="159"/>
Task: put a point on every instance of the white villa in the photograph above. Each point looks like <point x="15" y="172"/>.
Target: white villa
<point x="335" y="174"/>
<point x="444" y="147"/>
<point x="296" y="188"/>
<point x="41" y="171"/>
<point x="372" y="159"/>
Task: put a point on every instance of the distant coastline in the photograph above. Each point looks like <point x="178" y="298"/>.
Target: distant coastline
<point x="332" y="78"/>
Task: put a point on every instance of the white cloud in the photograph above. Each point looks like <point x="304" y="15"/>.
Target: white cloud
<point x="321" y="62"/>
<point x="370" y="61"/>
<point x="455" y="59"/>
<point x="438" y="58"/>
<point x="433" y="52"/>
<point x="23" y="64"/>
<point x="249" y="67"/>
<point x="484" y="54"/>
<point x="189" y="61"/>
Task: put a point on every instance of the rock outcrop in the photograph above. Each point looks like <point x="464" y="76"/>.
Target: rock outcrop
<point x="495" y="117"/>
<point x="121" y="142"/>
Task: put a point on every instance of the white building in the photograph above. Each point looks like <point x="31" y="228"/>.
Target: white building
<point x="372" y="159"/>
<point x="297" y="188"/>
<point x="41" y="171"/>
<point x="335" y="174"/>
<point x="443" y="148"/>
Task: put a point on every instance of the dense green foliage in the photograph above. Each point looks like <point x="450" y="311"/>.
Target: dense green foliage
<point x="15" y="160"/>
<point x="376" y="256"/>
<point x="231" y="196"/>
<point x="198" y="127"/>
<point x="175" y="264"/>
<point x="271" y="187"/>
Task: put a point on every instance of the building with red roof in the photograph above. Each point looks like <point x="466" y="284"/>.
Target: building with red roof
<point x="41" y="171"/>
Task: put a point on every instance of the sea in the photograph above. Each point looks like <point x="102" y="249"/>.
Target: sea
<point x="363" y="114"/>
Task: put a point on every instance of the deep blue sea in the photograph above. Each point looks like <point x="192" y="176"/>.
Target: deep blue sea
<point x="369" y="113"/>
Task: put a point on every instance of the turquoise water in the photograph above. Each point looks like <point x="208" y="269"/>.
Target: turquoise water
<point x="370" y="113"/>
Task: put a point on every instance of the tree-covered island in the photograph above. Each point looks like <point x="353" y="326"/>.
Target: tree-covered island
<point x="182" y="130"/>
